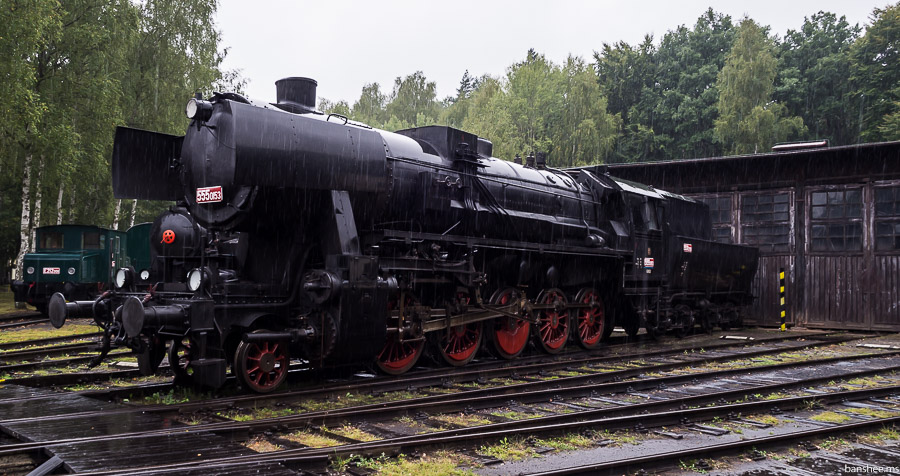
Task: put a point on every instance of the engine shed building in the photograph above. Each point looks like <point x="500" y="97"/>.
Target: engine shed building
<point x="830" y="217"/>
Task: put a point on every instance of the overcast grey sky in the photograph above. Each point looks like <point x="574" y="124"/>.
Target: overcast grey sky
<point x="344" y="44"/>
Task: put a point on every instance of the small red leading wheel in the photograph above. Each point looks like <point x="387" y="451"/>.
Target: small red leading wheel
<point x="510" y="335"/>
<point x="399" y="355"/>
<point x="261" y="366"/>
<point x="552" y="330"/>
<point x="592" y="323"/>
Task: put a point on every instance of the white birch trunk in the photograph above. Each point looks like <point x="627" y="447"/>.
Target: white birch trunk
<point x="133" y="213"/>
<point x="115" y="225"/>
<point x="36" y="222"/>
<point x="72" y="205"/>
<point x="62" y="186"/>
<point x="25" y="223"/>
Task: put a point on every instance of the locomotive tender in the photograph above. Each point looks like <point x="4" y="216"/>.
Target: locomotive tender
<point x="297" y="235"/>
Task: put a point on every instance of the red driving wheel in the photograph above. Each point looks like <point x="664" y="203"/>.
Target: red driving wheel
<point x="552" y="330"/>
<point x="591" y="321"/>
<point x="510" y="335"/>
<point x="399" y="355"/>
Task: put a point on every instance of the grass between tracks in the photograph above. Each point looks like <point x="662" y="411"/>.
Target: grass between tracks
<point x="7" y="304"/>
<point x="42" y="332"/>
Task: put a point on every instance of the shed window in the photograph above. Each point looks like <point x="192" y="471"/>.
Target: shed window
<point x="51" y="240"/>
<point x="887" y="218"/>
<point x="721" y="216"/>
<point x="836" y="220"/>
<point x="766" y="221"/>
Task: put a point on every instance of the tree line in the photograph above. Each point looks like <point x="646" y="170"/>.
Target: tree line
<point x="74" y="69"/>
<point x="717" y="88"/>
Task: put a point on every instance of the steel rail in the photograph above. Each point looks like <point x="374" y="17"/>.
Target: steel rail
<point x="403" y="407"/>
<point x="412" y="443"/>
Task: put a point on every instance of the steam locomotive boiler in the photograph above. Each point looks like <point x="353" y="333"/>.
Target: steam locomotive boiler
<point x="301" y="236"/>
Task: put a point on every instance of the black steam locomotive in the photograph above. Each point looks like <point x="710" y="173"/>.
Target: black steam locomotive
<point x="297" y="235"/>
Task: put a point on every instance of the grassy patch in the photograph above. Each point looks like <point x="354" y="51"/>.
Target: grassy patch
<point x="258" y="413"/>
<point x="514" y="415"/>
<point x="872" y="412"/>
<point x="7" y="304"/>
<point x="353" y="433"/>
<point x="777" y="396"/>
<point x="311" y="439"/>
<point x="350" y="399"/>
<point x="766" y="419"/>
<point x="262" y="445"/>
<point x="888" y="433"/>
<point x="831" y="417"/>
<point x="834" y="444"/>
<point x="429" y="465"/>
<point x="43" y="332"/>
<point x="507" y="449"/>
<point x="569" y="442"/>
<point x="462" y="419"/>
<point x="622" y="437"/>
<point x="867" y="382"/>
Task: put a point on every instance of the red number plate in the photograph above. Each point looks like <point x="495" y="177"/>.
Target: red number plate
<point x="209" y="194"/>
<point x="51" y="270"/>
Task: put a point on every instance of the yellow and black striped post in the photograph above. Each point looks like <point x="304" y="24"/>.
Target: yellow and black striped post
<point x="781" y="296"/>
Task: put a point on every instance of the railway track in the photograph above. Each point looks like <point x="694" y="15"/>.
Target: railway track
<point x="684" y="410"/>
<point x="529" y="392"/>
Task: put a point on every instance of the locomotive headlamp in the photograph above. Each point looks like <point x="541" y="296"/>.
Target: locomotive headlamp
<point x="195" y="279"/>
<point x="145" y="275"/>
<point x="71" y="271"/>
<point x="198" y="109"/>
<point x="124" y="277"/>
<point x="29" y="270"/>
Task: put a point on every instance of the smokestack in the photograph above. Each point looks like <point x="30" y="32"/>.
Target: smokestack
<point x="541" y="160"/>
<point x="297" y="95"/>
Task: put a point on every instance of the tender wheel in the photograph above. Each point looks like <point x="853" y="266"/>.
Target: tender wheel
<point x="552" y="330"/>
<point x="261" y="366"/>
<point x="180" y="358"/>
<point x="509" y="335"/>
<point x="399" y="355"/>
<point x="592" y="324"/>
<point x="686" y="320"/>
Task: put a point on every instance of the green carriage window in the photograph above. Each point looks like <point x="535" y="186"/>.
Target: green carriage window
<point x="52" y="240"/>
<point x="90" y="240"/>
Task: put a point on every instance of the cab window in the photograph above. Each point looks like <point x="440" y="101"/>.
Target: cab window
<point x="51" y="240"/>
<point x="90" y="240"/>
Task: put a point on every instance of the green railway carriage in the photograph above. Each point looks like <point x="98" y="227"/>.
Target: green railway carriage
<point x="79" y="261"/>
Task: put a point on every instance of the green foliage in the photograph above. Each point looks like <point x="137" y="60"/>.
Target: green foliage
<point x="875" y="63"/>
<point x="749" y="122"/>
<point x="74" y="70"/>
<point x="813" y="79"/>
